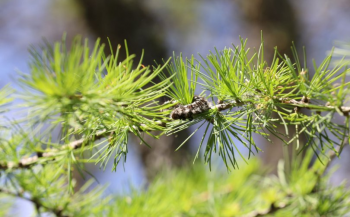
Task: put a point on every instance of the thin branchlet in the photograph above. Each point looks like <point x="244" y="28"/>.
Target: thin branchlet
<point x="37" y="203"/>
<point x="180" y="112"/>
<point x="201" y="105"/>
<point x="50" y="154"/>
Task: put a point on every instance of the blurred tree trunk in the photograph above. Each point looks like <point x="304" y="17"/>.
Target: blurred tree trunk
<point x="130" y="20"/>
<point x="277" y="20"/>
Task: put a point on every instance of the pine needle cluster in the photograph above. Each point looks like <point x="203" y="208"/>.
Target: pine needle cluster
<point x="77" y="106"/>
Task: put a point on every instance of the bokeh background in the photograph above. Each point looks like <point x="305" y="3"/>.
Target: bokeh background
<point x="162" y="27"/>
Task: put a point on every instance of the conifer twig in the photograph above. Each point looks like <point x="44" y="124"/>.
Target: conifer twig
<point x="50" y="154"/>
<point x="37" y="203"/>
<point x="287" y="101"/>
<point x="30" y="161"/>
